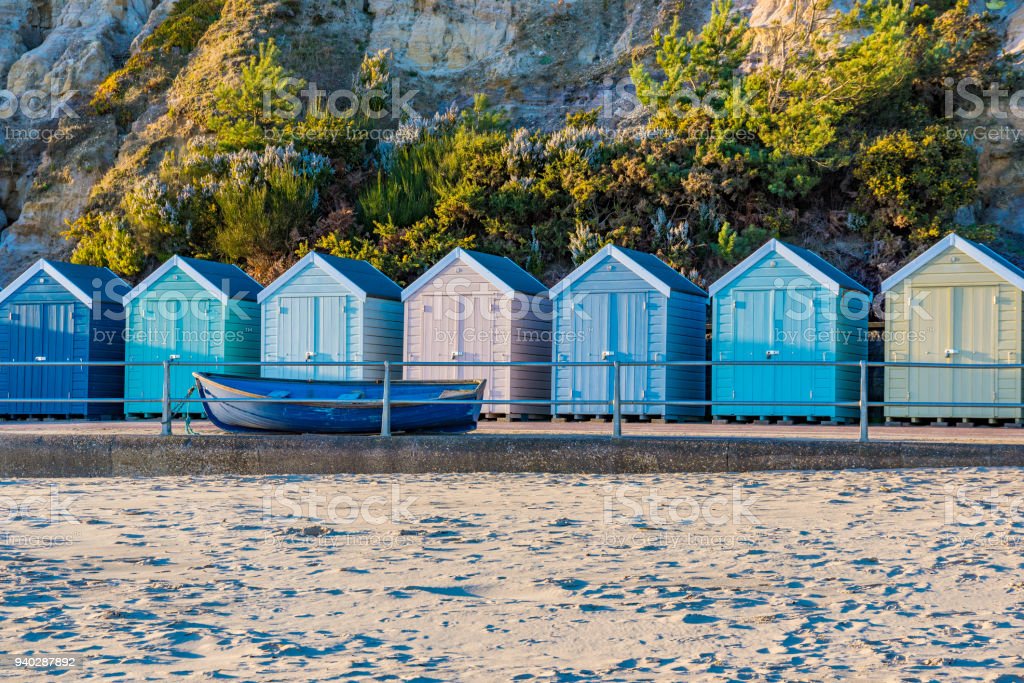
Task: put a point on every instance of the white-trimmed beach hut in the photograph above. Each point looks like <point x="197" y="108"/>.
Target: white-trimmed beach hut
<point x="626" y="305"/>
<point x="785" y="303"/>
<point x="959" y="303"/>
<point x="203" y="315"/>
<point x="62" y="312"/>
<point x="330" y="309"/>
<point x="476" y="307"/>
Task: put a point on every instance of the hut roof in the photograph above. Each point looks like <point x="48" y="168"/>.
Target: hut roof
<point x="810" y="263"/>
<point x="502" y="272"/>
<point x="359" y="277"/>
<point x="224" y="281"/>
<point x="88" y="284"/>
<point x="997" y="263"/>
<point x="649" y="267"/>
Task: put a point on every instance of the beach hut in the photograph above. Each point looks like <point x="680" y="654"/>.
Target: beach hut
<point x="957" y="303"/>
<point x="474" y="307"/>
<point x="628" y="306"/>
<point x="190" y="311"/>
<point x="784" y="303"/>
<point x="59" y="312"/>
<point x="331" y="309"/>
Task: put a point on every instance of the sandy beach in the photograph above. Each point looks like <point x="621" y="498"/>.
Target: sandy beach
<point x="911" y="575"/>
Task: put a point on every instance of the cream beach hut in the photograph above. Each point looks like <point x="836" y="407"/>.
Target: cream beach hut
<point x="958" y="303"/>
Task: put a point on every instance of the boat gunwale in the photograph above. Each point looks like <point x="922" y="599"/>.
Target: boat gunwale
<point x="350" y="406"/>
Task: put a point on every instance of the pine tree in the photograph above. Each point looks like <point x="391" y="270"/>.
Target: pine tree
<point x="697" y="71"/>
<point x="248" y="115"/>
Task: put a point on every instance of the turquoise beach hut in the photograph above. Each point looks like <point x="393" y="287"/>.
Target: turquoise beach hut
<point x="60" y="312"/>
<point x="784" y="303"/>
<point x="191" y="311"/>
<point x="330" y="309"/>
<point x="628" y="306"/>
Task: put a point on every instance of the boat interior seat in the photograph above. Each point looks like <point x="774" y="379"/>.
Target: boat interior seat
<point x="279" y="394"/>
<point x="350" y="396"/>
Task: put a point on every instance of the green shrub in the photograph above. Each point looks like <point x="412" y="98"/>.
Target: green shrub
<point x="912" y="183"/>
<point x="250" y="114"/>
<point x="268" y="201"/>
<point x="103" y="239"/>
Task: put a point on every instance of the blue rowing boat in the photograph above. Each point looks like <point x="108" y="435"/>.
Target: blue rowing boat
<point x="313" y="407"/>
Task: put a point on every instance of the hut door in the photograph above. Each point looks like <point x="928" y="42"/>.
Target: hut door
<point x="474" y="341"/>
<point x="156" y="331"/>
<point x="931" y="335"/>
<point x="188" y="337"/>
<point x="439" y="338"/>
<point x="755" y="332"/>
<point x="330" y="327"/>
<point x="794" y="335"/>
<point x="297" y="332"/>
<point x="630" y="324"/>
<point x="609" y="327"/>
<point x="592" y="342"/>
<point x="42" y="331"/>
<point x="975" y="339"/>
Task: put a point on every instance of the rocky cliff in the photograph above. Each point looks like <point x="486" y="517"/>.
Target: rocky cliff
<point x="537" y="57"/>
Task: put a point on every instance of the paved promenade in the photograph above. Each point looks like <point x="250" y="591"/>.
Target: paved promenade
<point x="974" y="435"/>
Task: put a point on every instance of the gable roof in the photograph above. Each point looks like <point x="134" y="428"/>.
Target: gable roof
<point x="88" y="284"/>
<point x="359" y="277"/>
<point x="997" y="263"/>
<point x="502" y="272"/>
<point x="649" y="267"/>
<point x="817" y="268"/>
<point x="225" y="282"/>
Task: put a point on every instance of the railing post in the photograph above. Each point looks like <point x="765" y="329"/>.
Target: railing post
<point x="385" y="411"/>
<point x="165" y="401"/>
<point x="616" y="402"/>
<point x="863" y="401"/>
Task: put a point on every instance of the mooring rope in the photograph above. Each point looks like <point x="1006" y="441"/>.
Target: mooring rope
<point x="186" y="416"/>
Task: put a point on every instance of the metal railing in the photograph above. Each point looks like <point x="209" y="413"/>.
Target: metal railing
<point x="615" y="401"/>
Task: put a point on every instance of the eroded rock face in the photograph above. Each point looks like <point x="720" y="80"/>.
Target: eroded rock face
<point x="62" y="181"/>
<point x="84" y="44"/>
<point x="14" y="25"/>
<point x="538" y="57"/>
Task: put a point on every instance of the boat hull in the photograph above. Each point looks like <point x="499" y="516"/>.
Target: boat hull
<point x="308" y="412"/>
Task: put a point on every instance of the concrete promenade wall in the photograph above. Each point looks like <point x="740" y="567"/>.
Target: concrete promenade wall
<point x="128" y="455"/>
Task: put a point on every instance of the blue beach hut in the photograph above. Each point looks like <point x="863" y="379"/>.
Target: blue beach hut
<point x="628" y="306"/>
<point x="59" y="312"/>
<point x="190" y="311"/>
<point x="331" y="309"/>
<point x="784" y="303"/>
